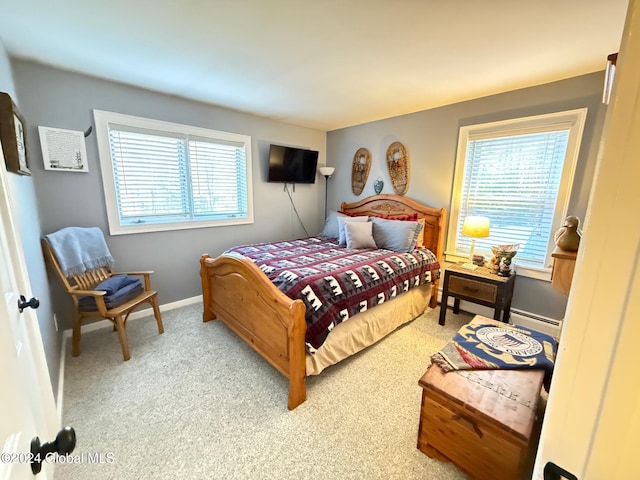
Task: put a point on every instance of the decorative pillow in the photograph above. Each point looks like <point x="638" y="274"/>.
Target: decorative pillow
<point x="394" y="235"/>
<point x="331" y="225"/>
<point x="411" y="217"/>
<point x="119" y="289"/>
<point x="341" y="221"/>
<point x="420" y="241"/>
<point x="359" y="235"/>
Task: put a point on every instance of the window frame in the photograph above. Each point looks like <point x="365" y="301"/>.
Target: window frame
<point x="574" y="121"/>
<point x="103" y="119"/>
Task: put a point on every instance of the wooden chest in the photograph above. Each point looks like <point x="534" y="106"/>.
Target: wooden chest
<point x="484" y="421"/>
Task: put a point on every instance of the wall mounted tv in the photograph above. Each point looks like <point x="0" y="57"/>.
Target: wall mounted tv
<point x="292" y="165"/>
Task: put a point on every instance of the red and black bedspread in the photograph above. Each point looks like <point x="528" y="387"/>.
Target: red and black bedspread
<point x="335" y="283"/>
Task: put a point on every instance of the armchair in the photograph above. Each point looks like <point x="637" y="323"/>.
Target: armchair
<point x="81" y="259"/>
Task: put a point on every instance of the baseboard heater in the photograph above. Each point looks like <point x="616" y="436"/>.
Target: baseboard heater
<point x="546" y="325"/>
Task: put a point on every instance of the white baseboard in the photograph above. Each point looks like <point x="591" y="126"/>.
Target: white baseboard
<point x="107" y="324"/>
<point x="61" y="366"/>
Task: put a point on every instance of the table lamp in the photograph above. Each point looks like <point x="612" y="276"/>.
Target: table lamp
<point x="474" y="226"/>
<point x="327" y="172"/>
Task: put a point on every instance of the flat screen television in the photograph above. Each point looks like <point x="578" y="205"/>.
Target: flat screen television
<point x="292" y="165"/>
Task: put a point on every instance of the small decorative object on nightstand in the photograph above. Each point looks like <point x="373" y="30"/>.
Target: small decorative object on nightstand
<point x="481" y="286"/>
<point x="502" y="256"/>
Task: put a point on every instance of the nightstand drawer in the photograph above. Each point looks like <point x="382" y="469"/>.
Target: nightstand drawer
<point x="472" y="288"/>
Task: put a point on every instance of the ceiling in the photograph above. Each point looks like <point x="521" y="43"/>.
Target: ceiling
<point x="324" y="64"/>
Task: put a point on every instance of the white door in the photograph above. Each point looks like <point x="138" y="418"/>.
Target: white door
<point x="28" y="407"/>
<point x="592" y="423"/>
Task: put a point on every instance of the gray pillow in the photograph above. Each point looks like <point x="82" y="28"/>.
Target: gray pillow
<point x="331" y="225"/>
<point x="359" y="235"/>
<point x="342" y="240"/>
<point x="395" y="235"/>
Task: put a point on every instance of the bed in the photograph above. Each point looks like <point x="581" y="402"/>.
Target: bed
<point x="238" y="291"/>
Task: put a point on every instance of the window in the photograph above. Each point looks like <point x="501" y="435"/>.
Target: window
<point x="519" y="174"/>
<point x="166" y="176"/>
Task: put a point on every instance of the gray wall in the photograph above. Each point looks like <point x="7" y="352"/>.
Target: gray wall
<point x="61" y="99"/>
<point x="28" y="220"/>
<point x="431" y="139"/>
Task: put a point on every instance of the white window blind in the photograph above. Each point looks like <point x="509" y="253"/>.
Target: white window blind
<point x="514" y="181"/>
<point x="168" y="178"/>
<point x="518" y="174"/>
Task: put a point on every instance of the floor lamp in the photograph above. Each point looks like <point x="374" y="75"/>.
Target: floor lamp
<point x="327" y="172"/>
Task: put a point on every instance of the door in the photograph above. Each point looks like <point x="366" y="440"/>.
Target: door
<point x="28" y="408"/>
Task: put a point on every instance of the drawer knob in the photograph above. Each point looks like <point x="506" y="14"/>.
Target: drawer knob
<point x="470" y="421"/>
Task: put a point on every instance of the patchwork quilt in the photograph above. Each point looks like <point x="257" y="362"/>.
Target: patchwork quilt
<point x="335" y="283"/>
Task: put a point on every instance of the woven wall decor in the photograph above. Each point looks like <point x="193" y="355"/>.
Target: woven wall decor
<point x="360" y="170"/>
<point x="398" y="165"/>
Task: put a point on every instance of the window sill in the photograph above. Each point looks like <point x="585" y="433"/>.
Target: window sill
<point x="163" y="227"/>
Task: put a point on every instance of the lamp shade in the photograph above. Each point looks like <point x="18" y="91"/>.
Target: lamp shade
<point x="475" y="226"/>
<point x="327" y="171"/>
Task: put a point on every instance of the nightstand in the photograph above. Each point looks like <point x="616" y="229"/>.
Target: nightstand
<point x="481" y="286"/>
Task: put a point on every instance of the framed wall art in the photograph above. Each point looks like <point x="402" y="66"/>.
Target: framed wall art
<point x="13" y="136"/>
<point x="63" y="150"/>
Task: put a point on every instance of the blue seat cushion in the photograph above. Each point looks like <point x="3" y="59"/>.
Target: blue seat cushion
<point x="119" y="289"/>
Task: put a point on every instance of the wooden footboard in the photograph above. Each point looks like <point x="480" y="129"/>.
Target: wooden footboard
<point x="238" y="293"/>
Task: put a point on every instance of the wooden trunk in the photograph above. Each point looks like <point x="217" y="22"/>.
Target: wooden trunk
<point x="484" y="421"/>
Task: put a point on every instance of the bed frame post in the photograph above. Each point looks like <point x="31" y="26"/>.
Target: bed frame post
<point x="297" y="362"/>
<point x="207" y="313"/>
<point x="442" y="221"/>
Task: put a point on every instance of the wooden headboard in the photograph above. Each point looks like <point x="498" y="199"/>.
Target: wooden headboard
<point x="397" y="205"/>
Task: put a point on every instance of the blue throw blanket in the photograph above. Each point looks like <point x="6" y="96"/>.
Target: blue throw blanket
<point x="487" y="346"/>
<point x="79" y="249"/>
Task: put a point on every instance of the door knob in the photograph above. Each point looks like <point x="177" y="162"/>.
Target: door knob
<point x="32" y="303"/>
<point x="64" y="444"/>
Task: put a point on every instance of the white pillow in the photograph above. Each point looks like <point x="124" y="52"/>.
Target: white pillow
<point x="396" y="235"/>
<point x="331" y="225"/>
<point x="342" y="240"/>
<point x="359" y="235"/>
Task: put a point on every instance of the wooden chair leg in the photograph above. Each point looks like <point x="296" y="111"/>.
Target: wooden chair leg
<point x="122" y="335"/>
<point x="156" y="313"/>
<point x="75" y="339"/>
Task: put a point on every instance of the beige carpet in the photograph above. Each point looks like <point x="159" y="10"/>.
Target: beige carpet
<point x="197" y="403"/>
